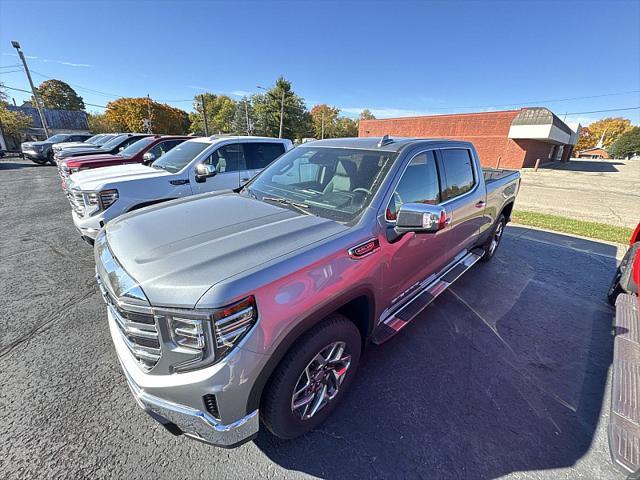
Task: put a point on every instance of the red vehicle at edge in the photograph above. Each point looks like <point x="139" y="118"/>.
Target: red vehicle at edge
<point x="146" y="150"/>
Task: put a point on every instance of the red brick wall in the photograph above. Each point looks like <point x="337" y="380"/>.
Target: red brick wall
<point x="488" y="132"/>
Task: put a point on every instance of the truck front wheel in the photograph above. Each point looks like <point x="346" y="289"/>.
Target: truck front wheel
<point x="312" y="378"/>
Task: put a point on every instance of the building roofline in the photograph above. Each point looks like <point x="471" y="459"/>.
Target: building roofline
<point x="445" y="115"/>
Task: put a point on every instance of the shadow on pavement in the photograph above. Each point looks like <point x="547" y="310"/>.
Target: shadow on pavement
<point x="6" y="164"/>
<point x="504" y="372"/>
<point x="601" y="166"/>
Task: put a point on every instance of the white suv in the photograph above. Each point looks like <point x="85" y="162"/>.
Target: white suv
<point x="196" y="166"/>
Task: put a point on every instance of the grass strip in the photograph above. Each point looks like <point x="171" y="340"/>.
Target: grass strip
<point x="600" y="231"/>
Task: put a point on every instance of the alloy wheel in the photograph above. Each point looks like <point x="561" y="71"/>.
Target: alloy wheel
<point x="320" y="381"/>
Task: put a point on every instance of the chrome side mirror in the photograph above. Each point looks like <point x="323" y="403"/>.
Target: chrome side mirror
<point x="204" y="171"/>
<point x="148" y="158"/>
<point x="421" y="218"/>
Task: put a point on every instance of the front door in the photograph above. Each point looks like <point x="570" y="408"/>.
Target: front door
<point x="414" y="257"/>
<point x="258" y="155"/>
<point x="227" y="161"/>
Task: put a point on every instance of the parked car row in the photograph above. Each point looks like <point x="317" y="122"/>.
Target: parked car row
<point x="42" y="152"/>
<point x="243" y="277"/>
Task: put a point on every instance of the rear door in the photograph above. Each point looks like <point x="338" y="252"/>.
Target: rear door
<point x="463" y="196"/>
<point x="228" y="162"/>
<point x="258" y="155"/>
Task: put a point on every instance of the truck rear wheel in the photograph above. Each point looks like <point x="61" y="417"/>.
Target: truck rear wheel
<point x="312" y="377"/>
<point x="491" y="246"/>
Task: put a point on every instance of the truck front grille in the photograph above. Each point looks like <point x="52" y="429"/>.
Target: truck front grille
<point x="138" y="330"/>
<point x="63" y="175"/>
<point x="76" y="199"/>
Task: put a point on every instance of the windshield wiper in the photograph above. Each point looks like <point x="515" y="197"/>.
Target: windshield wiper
<point x="301" y="207"/>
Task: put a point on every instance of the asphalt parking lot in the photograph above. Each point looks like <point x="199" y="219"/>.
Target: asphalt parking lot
<point x="505" y="375"/>
<point x="603" y="191"/>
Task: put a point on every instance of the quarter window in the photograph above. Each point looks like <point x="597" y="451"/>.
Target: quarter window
<point x="259" y="155"/>
<point x="419" y="184"/>
<point x="458" y="172"/>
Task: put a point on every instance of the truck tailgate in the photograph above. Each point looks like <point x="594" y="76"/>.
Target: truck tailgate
<point x="624" y="421"/>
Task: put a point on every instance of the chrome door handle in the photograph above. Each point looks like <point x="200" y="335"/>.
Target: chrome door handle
<point x="481" y="204"/>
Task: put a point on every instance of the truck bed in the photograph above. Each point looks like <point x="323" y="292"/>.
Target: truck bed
<point x="495" y="174"/>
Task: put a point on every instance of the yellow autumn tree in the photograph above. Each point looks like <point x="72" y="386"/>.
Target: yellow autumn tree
<point x="611" y="128"/>
<point x="129" y="115"/>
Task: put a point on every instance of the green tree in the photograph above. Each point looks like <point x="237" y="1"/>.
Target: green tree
<point x="98" y="123"/>
<point x="128" y="115"/>
<point x="346" y="127"/>
<point x="296" y="120"/>
<point x="243" y="118"/>
<point x="367" y="115"/>
<point x="627" y="144"/>
<point x="59" y="95"/>
<point x="220" y="111"/>
<point x="325" y="121"/>
<point x="12" y="123"/>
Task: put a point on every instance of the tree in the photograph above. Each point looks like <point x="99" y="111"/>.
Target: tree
<point x="58" y="94"/>
<point x="128" y="115"/>
<point x="296" y="121"/>
<point x="367" y="115"/>
<point x="220" y="112"/>
<point x="98" y="123"/>
<point x="243" y="118"/>
<point x="346" y="127"/>
<point x="611" y="128"/>
<point x="12" y="123"/>
<point x="325" y="121"/>
<point x="627" y="144"/>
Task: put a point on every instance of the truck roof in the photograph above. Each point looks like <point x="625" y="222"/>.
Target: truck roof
<point x="216" y="138"/>
<point x="386" y="143"/>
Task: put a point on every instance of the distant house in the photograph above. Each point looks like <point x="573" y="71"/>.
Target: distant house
<point x="58" y="121"/>
<point x="594" y="152"/>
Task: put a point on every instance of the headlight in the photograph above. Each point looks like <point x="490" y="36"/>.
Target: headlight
<point x="208" y="336"/>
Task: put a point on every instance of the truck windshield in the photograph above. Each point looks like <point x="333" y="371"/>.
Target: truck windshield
<point x="334" y="183"/>
<point x="137" y="147"/>
<point x="178" y="157"/>
<point x="59" y="137"/>
<point x="113" y="143"/>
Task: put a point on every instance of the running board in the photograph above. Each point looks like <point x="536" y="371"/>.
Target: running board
<point x="624" y="419"/>
<point x="397" y="320"/>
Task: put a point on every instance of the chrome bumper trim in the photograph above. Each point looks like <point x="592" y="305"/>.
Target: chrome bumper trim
<point x="194" y="423"/>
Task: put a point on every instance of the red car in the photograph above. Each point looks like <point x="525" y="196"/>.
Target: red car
<point x="146" y="150"/>
<point x="624" y="418"/>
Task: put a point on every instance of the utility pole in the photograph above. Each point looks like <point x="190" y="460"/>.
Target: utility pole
<point x="36" y="97"/>
<point x="149" y="127"/>
<point x="281" y="113"/>
<point x="204" y="115"/>
<point x="246" y="113"/>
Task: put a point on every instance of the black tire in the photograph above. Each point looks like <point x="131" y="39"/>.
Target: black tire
<point x="496" y="234"/>
<point x="622" y="281"/>
<point x="50" y="158"/>
<point x="615" y="288"/>
<point x="276" y="406"/>
<point x="39" y="161"/>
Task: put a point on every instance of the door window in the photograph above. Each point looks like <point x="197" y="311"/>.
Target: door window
<point x="259" y="155"/>
<point x="163" y="147"/>
<point x="458" y="172"/>
<point x="229" y="158"/>
<point x="419" y="184"/>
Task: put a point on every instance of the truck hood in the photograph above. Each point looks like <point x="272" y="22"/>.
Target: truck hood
<point x="95" y="161"/>
<point x="63" y="145"/>
<point x="95" y="179"/>
<point x="34" y="144"/>
<point x="80" y="150"/>
<point x="178" y="250"/>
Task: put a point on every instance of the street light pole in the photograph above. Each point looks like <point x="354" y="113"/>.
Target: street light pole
<point x="281" y="113"/>
<point x="36" y="97"/>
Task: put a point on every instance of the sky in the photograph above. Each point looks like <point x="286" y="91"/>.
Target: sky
<point x="397" y="58"/>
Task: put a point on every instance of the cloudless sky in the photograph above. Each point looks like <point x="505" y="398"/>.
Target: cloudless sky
<point x="395" y="58"/>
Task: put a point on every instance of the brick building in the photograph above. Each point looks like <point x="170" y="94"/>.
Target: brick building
<point x="595" y="152"/>
<point x="510" y="138"/>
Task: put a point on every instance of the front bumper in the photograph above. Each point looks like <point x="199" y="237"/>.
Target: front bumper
<point x="193" y="423"/>
<point x="34" y="155"/>
<point x="88" y="227"/>
<point x="177" y="400"/>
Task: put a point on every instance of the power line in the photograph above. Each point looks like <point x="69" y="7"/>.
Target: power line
<point x="603" y="111"/>
<point x="10" y="71"/>
<point x="10" y="66"/>
<point x="27" y="91"/>
<point x="98" y="92"/>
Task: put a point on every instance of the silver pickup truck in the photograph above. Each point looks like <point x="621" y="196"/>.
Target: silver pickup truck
<point x="231" y="308"/>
